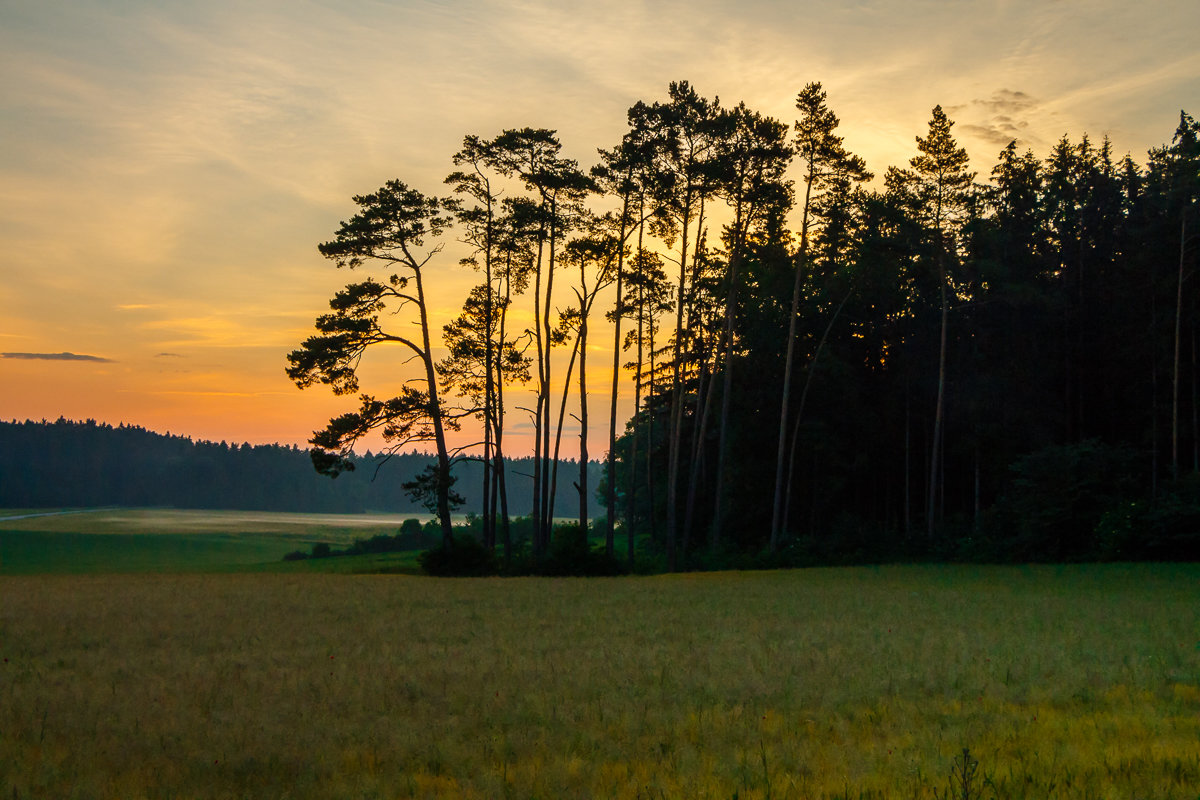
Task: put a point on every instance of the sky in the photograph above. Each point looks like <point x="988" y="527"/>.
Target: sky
<point x="167" y="168"/>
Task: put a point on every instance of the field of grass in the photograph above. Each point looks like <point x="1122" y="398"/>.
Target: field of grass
<point x="42" y="541"/>
<point x="1064" y="682"/>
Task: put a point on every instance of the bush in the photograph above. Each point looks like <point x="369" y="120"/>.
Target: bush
<point x="571" y="554"/>
<point x="1167" y="529"/>
<point x="466" y="557"/>
<point x="1055" y="501"/>
<point x="377" y="545"/>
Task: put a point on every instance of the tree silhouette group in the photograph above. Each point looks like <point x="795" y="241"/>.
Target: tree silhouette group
<point x="820" y="369"/>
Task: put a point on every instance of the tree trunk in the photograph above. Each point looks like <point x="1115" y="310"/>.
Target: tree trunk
<point x="439" y="434"/>
<point x="795" y="438"/>
<point x="1195" y="390"/>
<point x="651" y="483"/>
<point x="782" y="483"/>
<point x="676" y="422"/>
<point x="489" y="389"/>
<point x="611" y="460"/>
<point x="501" y="479"/>
<point x="583" y="427"/>
<point x="1178" y="339"/>
<point x="714" y="534"/>
<point x="907" y="460"/>
<point x="631" y="482"/>
<point x="550" y="472"/>
<point x="699" y="434"/>
<point x="486" y="512"/>
<point x="562" y="414"/>
<point x="934" y="461"/>
<point x="543" y="397"/>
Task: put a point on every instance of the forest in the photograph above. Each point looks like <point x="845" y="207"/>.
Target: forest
<point x="86" y="464"/>
<point x="826" y="368"/>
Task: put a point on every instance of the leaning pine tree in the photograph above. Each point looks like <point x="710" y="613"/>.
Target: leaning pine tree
<point x="389" y="231"/>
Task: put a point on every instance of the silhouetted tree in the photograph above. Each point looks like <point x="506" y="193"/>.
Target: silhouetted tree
<point x="684" y="147"/>
<point x="533" y="156"/>
<point x="752" y="155"/>
<point x="389" y="231"/>
<point x="938" y="188"/>
<point x="826" y="164"/>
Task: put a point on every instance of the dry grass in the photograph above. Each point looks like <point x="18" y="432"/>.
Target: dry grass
<point x="1064" y="682"/>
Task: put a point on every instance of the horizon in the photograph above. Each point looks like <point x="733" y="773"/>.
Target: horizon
<point x="233" y="443"/>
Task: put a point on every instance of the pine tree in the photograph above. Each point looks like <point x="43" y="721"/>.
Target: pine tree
<point x="826" y="162"/>
<point x="939" y="185"/>
<point x="390" y="227"/>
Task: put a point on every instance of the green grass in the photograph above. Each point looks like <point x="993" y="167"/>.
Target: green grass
<point x="38" y="552"/>
<point x="1064" y="682"/>
<point x="167" y="540"/>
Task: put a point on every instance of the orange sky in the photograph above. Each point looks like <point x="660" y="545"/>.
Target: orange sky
<point x="167" y="168"/>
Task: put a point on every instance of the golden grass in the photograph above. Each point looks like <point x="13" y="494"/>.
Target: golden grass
<point x="1064" y="682"/>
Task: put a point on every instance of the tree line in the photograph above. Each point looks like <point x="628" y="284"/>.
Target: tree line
<point x="1003" y="368"/>
<point x="69" y="464"/>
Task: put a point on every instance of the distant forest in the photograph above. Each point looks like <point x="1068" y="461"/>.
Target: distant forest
<point x="87" y="464"/>
<point x="823" y="369"/>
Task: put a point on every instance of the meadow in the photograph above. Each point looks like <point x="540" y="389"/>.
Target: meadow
<point x="41" y="541"/>
<point x="1064" y="682"/>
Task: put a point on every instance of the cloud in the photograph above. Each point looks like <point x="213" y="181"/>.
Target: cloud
<point x="1007" y="101"/>
<point x="56" y="357"/>
<point x="169" y="355"/>
<point x="1004" y="117"/>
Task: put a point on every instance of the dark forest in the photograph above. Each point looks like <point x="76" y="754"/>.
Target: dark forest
<point x="86" y="464"/>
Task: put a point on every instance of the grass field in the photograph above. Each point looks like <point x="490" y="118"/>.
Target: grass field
<point x="46" y="541"/>
<point x="1064" y="682"/>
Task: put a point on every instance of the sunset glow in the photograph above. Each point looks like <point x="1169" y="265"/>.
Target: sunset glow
<point x="167" y="170"/>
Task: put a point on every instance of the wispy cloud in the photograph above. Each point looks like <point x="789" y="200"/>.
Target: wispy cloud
<point x="1000" y="118"/>
<point x="168" y="355"/>
<point x="1007" y="101"/>
<point x="56" y="357"/>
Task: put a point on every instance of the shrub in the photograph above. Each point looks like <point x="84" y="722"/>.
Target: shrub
<point x="466" y="557"/>
<point x="1056" y="499"/>
<point x="1166" y="529"/>
<point x="415" y="536"/>
<point x="571" y="554"/>
<point x="376" y="545"/>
